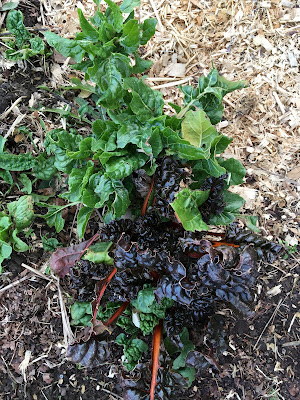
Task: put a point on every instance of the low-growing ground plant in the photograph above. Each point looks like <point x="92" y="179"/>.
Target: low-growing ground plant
<point x="144" y="297"/>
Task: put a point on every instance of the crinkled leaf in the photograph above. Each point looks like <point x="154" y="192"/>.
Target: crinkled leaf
<point x="133" y="350"/>
<point x="146" y="103"/>
<point x="114" y="15"/>
<point x="108" y="75"/>
<point x="120" y="167"/>
<point x="14" y="24"/>
<point x="22" y="212"/>
<point x="44" y="167"/>
<point x="20" y="162"/>
<point x="91" y="354"/>
<point x="186" y="206"/>
<point x="64" y="258"/>
<point x="233" y="203"/>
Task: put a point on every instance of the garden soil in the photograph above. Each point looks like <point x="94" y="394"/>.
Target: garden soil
<point x="256" y="41"/>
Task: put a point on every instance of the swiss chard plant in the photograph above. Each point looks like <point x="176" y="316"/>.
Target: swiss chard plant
<point x="159" y="272"/>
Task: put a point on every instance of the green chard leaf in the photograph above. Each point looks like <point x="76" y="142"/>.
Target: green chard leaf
<point x="22" y="212"/>
<point x="209" y="94"/>
<point x="148" y="28"/>
<point x="186" y="205"/>
<point x="128" y="5"/>
<point x="133" y="350"/>
<point x="18" y="244"/>
<point x="14" y="24"/>
<point x="20" y="162"/>
<point x="89" y="32"/>
<point x="146" y="103"/>
<point x="130" y="39"/>
<point x="82" y="220"/>
<point x="98" y="253"/>
<point x="233" y="203"/>
<point x="108" y="75"/>
<point x="141" y="65"/>
<point x="66" y="47"/>
<point x="235" y="168"/>
<point x="188" y="346"/>
<point x="114" y="15"/>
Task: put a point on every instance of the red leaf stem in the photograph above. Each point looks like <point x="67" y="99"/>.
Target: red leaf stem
<point x="155" y="356"/>
<point x="106" y="282"/>
<point x="145" y="205"/>
<point x="89" y="243"/>
<point x="217" y="244"/>
<point x="117" y="313"/>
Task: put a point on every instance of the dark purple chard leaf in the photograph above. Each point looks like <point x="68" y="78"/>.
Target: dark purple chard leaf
<point x="266" y="251"/>
<point x="171" y="288"/>
<point x="62" y="260"/>
<point x="91" y="354"/>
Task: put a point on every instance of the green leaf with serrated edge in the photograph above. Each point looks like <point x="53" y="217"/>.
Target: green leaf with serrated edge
<point x="82" y="220"/>
<point x="186" y="207"/>
<point x="146" y="103"/>
<point x="88" y="30"/>
<point x="22" y="212"/>
<point x="197" y="129"/>
<point x="66" y="47"/>
<point x="98" y="253"/>
<point x="179" y="362"/>
<point x="148" y="28"/>
<point x="233" y="203"/>
<point x="23" y="178"/>
<point x="130" y="39"/>
<point x="120" y="167"/>
<point x="20" y="162"/>
<point x="141" y="65"/>
<point x="114" y="15"/>
<point x="108" y="75"/>
<point x="18" y="244"/>
<point x="181" y="147"/>
<point x="235" y="168"/>
<point x="128" y="5"/>
<point x="14" y="24"/>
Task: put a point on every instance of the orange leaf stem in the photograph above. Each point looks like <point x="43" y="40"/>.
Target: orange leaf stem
<point x="155" y="356"/>
<point x="217" y="244"/>
<point x="106" y="282"/>
<point x="145" y="205"/>
<point x="117" y="313"/>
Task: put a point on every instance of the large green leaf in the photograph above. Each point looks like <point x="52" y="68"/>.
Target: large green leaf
<point x="82" y="220"/>
<point x="130" y="39"/>
<point x="148" y="27"/>
<point x="108" y="75"/>
<point x="128" y="5"/>
<point x="186" y="205"/>
<point x="67" y="47"/>
<point x="120" y="167"/>
<point x="14" y="24"/>
<point x="141" y="65"/>
<point x="146" y="103"/>
<point x="13" y="162"/>
<point x="98" y="253"/>
<point x="18" y="244"/>
<point x="114" y="15"/>
<point x="175" y="145"/>
<point x="235" y="168"/>
<point x="22" y="212"/>
<point x="209" y="94"/>
<point x="197" y="129"/>
<point x="233" y="204"/>
<point x="89" y="32"/>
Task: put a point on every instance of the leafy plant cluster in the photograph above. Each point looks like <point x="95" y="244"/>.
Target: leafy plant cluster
<point x="156" y="273"/>
<point x="24" y="45"/>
